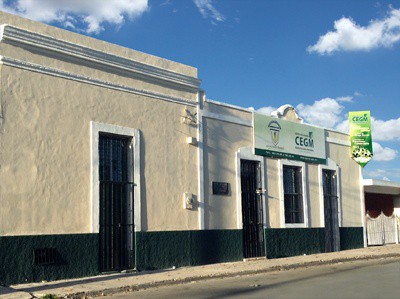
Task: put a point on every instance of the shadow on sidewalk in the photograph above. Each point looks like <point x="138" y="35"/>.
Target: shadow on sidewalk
<point x="75" y="282"/>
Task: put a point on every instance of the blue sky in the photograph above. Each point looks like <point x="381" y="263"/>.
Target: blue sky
<point x="324" y="57"/>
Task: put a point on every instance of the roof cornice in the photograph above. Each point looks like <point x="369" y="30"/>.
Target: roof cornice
<point x="17" y="35"/>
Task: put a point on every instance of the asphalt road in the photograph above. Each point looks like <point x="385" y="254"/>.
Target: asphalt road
<point x="367" y="279"/>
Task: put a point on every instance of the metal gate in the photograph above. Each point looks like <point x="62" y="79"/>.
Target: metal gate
<point x="332" y="234"/>
<point x="116" y="205"/>
<point x="252" y="209"/>
<point x="382" y="230"/>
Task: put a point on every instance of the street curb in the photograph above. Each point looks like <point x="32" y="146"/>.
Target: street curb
<point x="175" y="281"/>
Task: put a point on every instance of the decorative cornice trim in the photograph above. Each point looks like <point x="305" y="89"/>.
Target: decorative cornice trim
<point x="338" y="141"/>
<point x="18" y="35"/>
<point x="283" y="110"/>
<point x="70" y="76"/>
<point x="228" y="118"/>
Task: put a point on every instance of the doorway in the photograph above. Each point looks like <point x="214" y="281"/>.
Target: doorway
<point x="252" y="209"/>
<point x="332" y="234"/>
<point x="116" y="204"/>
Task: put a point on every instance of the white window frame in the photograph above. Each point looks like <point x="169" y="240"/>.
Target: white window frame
<point x="302" y="165"/>
<point x="330" y="165"/>
<point x="134" y="174"/>
<point x="246" y="153"/>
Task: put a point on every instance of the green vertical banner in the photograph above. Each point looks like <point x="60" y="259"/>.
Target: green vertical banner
<point x="360" y="136"/>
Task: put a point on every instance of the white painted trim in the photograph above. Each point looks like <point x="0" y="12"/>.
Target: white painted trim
<point x="229" y="106"/>
<point x="246" y="153"/>
<point x="331" y="165"/>
<point x="338" y="141"/>
<point x="304" y="180"/>
<point x="48" y="43"/>
<point x="362" y="205"/>
<point x="200" y="162"/>
<point x="228" y="118"/>
<point x="95" y="129"/>
<point x="70" y="76"/>
<point x="137" y="191"/>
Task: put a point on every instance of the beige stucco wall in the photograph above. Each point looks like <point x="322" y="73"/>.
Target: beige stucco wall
<point x="45" y="146"/>
<point x="45" y="154"/>
<point x="45" y="139"/>
<point x="221" y="142"/>
<point x="228" y="111"/>
<point x="350" y="180"/>
<point x="272" y="194"/>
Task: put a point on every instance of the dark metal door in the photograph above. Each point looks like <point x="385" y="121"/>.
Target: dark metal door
<point x="252" y="209"/>
<point x="332" y="235"/>
<point x="116" y="212"/>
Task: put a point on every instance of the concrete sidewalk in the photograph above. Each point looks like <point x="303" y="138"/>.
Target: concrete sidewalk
<point x="121" y="282"/>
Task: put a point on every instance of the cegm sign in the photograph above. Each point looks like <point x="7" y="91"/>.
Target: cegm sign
<point x="277" y="138"/>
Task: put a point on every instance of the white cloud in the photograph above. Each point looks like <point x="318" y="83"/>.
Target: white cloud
<point x="266" y="110"/>
<point x="382" y="130"/>
<point x="208" y="10"/>
<point x="383" y="153"/>
<point x="89" y="14"/>
<point x="382" y="174"/>
<point x="328" y="113"/>
<point x="325" y="113"/>
<point x="343" y="126"/>
<point x="385" y="130"/>
<point x="263" y="110"/>
<point x="347" y="99"/>
<point x="376" y="173"/>
<point x="349" y="36"/>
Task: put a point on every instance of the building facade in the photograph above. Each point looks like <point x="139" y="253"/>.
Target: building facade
<point x="112" y="159"/>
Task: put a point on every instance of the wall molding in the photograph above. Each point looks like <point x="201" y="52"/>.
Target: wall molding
<point x="200" y="160"/>
<point x="330" y="165"/>
<point x="246" y="153"/>
<point x="362" y="204"/>
<point x="48" y="43"/>
<point x="134" y="171"/>
<point x="305" y="198"/>
<point x="79" y="78"/>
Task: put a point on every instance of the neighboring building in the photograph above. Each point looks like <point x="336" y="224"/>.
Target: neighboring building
<point x="382" y="209"/>
<point x="112" y="159"/>
<point x="381" y="197"/>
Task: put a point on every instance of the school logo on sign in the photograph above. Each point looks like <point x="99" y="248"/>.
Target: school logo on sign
<point x="274" y="128"/>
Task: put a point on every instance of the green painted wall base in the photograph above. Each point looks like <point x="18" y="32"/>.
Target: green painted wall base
<point x="160" y="250"/>
<point x="285" y="242"/>
<point x="77" y="255"/>
<point x="351" y="238"/>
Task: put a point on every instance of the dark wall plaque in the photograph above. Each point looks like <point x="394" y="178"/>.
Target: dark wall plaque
<point x="220" y="188"/>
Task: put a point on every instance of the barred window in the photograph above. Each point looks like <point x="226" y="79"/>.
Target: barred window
<point x="292" y="178"/>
